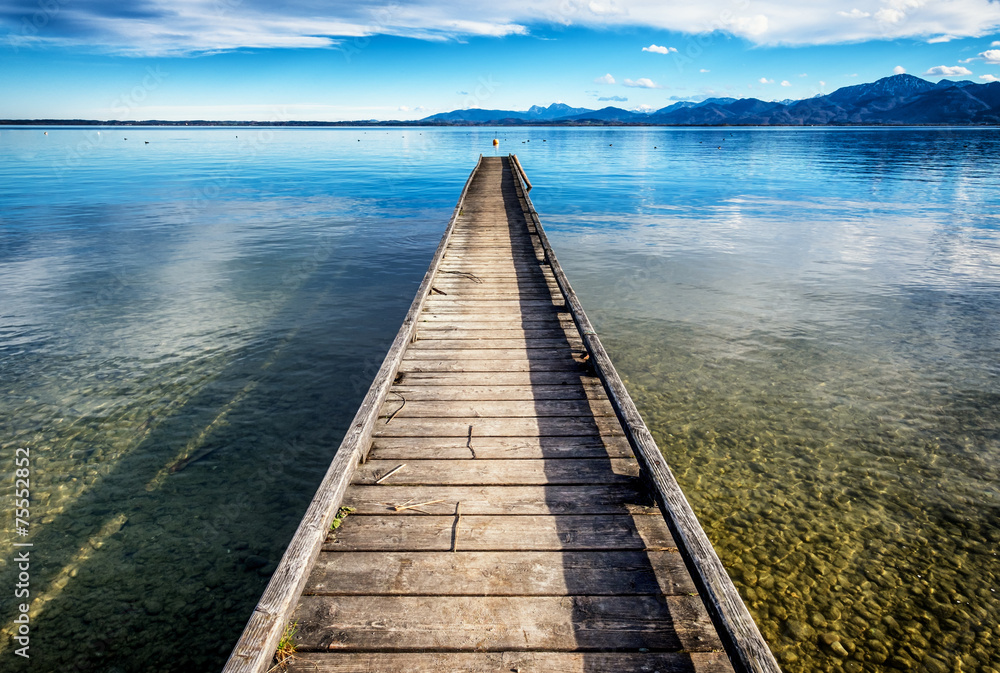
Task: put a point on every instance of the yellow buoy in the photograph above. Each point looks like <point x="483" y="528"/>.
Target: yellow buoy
<point x="495" y="142"/>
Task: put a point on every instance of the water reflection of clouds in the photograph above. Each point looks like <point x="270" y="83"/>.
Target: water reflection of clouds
<point x="823" y="241"/>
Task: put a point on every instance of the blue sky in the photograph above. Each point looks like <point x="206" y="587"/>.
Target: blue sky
<point x="247" y="59"/>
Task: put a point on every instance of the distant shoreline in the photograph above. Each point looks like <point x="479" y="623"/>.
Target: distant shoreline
<point x="435" y="124"/>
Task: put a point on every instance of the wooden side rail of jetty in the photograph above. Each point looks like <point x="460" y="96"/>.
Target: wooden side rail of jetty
<point x="498" y="503"/>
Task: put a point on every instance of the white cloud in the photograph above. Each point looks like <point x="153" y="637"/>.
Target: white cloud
<point x="948" y="71"/>
<point x="941" y="38"/>
<point x="898" y="70"/>
<point x="704" y="70"/>
<point x="165" y="27"/>
<point x="785" y="82"/>
<point x="822" y="84"/>
<point x="989" y="78"/>
<point x="995" y="44"/>
<point x="991" y="56"/>
<point x="605" y="79"/>
<point x="642" y="83"/>
<point x="890" y="15"/>
<point x="601" y="9"/>
<point x="659" y="50"/>
<point x="805" y="74"/>
<point x="643" y="108"/>
<point x="764" y="80"/>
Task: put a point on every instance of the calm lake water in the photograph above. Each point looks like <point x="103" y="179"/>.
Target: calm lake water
<point x="809" y="320"/>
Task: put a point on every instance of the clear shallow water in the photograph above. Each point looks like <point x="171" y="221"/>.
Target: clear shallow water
<point x="808" y="319"/>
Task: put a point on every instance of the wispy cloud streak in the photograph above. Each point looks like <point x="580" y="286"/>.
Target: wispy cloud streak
<point x="163" y="27"/>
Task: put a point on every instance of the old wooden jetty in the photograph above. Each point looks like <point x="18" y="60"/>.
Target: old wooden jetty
<point x="506" y="507"/>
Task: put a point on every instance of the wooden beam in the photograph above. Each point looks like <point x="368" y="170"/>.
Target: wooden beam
<point x="255" y="649"/>
<point x="511" y="661"/>
<point x="591" y="573"/>
<point x="742" y="639"/>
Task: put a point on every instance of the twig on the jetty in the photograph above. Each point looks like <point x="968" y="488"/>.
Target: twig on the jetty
<point x="434" y="290"/>
<point x="465" y="274"/>
<point x="468" y="443"/>
<point x="390" y="473"/>
<point x="400" y="508"/>
<point x="393" y="414"/>
<point x="458" y="520"/>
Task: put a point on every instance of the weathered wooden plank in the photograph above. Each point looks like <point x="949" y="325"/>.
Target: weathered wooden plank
<point x="530" y="318"/>
<point x="743" y="641"/>
<point x="435" y="331"/>
<point x="471" y="249"/>
<point x="396" y="408"/>
<point x="517" y="234"/>
<point x="471" y="255"/>
<point x="506" y="662"/>
<point x="511" y="284"/>
<point x="506" y="313"/>
<point x="495" y="427"/>
<point x="593" y="499"/>
<point x="464" y="327"/>
<point x="457" y="281"/>
<point x="439" y="393"/>
<point x="500" y="448"/>
<point x="602" y="573"/>
<point x="512" y="268"/>
<point x="562" y="352"/>
<point x="535" y="293"/>
<point x="491" y="623"/>
<point x="488" y="249"/>
<point x="492" y="303"/>
<point x="493" y="240"/>
<point x="549" y="317"/>
<point x="446" y="342"/>
<point x="505" y="271"/>
<point x="507" y="378"/>
<point x="496" y="472"/>
<point x="533" y="366"/>
<point x="500" y="533"/>
<point x="511" y="287"/>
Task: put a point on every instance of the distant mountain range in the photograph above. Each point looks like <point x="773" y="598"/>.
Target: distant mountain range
<point x="896" y="100"/>
<point x="900" y="100"/>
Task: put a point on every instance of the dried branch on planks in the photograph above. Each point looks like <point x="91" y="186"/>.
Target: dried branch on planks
<point x="390" y="473"/>
<point x="465" y="274"/>
<point x="393" y="414"/>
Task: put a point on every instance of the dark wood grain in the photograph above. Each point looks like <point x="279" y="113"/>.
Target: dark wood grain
<point x="511" y="662"/>
<point x="491" y="623"/>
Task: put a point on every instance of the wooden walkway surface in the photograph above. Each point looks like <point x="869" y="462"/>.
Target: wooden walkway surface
<point x="500" y="522"/>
